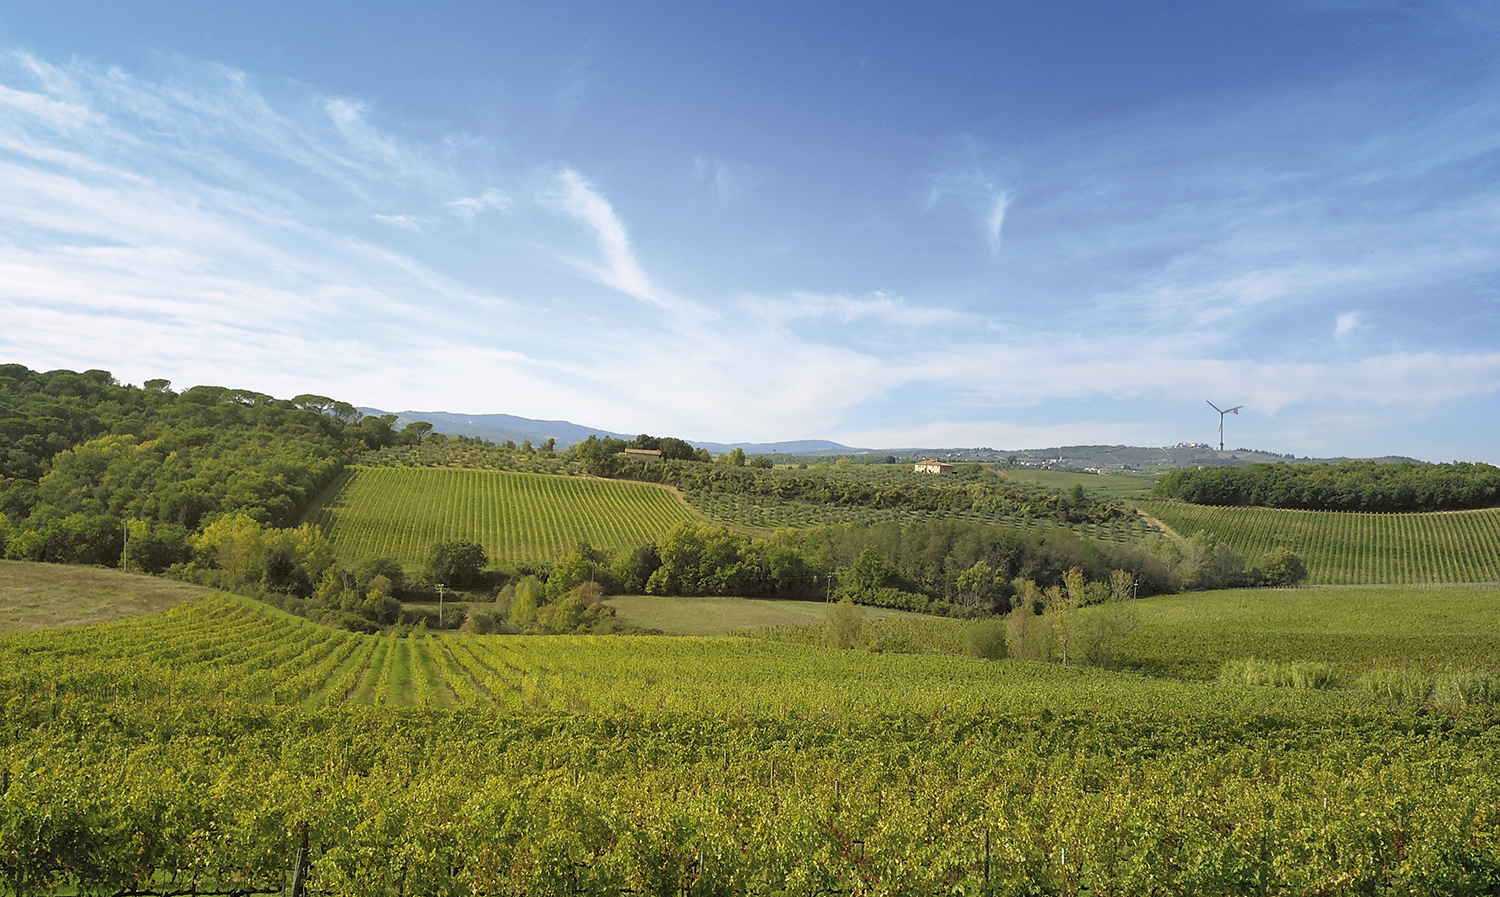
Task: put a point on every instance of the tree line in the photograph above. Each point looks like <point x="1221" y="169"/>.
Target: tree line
<point x="1347" y="486"/>
<point x="946" y="568"/>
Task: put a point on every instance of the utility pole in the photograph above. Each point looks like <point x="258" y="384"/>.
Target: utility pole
<point x="125" y="552"/>
<point x="441" y="587"/>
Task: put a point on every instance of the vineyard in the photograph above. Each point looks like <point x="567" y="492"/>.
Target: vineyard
<point x="1352" y="629"/>
<point x="765" y="513"/>
<point x="1354" y="548"/>
<point x="206" y="749"/>
<point x="518" y="517"/>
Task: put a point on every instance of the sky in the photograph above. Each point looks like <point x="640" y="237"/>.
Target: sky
<point x="1011" y="225"/>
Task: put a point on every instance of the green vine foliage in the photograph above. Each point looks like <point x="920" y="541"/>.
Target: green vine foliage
<point x="194" y="750"/>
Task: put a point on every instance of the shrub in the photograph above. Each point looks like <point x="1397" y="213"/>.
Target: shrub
<point x="1404" y="687"/>
<point x="503" y="598"/>
<point x="1282" y="568"/>
<point x="1466" y="689"/>
<point x="387" y="567"/>
<point x="1278" y="675"/>
<point x="841" y="624"/>
<point x="357" y="623"/>
<point x="523" y="606"/>
<point x="985" y="639"/>
<point x="580" y="610"/>
<point x="896" y="599"/>
<point x="154" y="547"/>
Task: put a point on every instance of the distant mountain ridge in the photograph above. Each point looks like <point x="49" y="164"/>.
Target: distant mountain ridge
<point x="500" y="427"/>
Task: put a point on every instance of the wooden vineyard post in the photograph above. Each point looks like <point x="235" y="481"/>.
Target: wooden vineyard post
<point x="299" y="871"/>
<point x="986" y="861"/>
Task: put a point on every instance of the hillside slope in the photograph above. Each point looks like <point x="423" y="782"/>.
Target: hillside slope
<point x="401" y="512"/>
<point x="1351" y="548"/>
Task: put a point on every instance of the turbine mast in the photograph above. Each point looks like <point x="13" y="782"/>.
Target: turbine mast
<point x="1235" y="411"/>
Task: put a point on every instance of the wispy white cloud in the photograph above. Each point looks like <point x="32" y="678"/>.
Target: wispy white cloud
<point x="980" y="194"/>
<point x="362" y="139"/>
<point x="997" y="221"/>
<point x="726" y="182"/>
<point x="1345" y="324"/>
<point x="1291" y="207"/>
<point x="470" y="206"/>
<point x="406" y="222"/>
<point x="575" y="196"/>
<point x="200" y="228"/>
<point x="102" y="232"/>
<point x="883" y="308"/>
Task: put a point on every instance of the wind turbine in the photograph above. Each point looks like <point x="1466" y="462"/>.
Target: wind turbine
<point x="1223" y="411"/>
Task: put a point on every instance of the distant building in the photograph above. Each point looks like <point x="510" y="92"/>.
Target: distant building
<point x="643" y="453"/>
<point x="937" y="467"/>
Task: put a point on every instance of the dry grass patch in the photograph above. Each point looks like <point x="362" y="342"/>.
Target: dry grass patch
<point x="44" y="596"/>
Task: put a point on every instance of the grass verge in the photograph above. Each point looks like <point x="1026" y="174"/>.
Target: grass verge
<point x="44" y="596"/>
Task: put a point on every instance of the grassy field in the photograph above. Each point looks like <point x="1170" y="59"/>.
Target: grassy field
<point x="43" y="596"/>
<point x="1347" y="548"/>
<point x="1113" y="485"/>
<point x="401" y="512"/>
<point x="721" y="616"/>
<point x="1353" y="629"/>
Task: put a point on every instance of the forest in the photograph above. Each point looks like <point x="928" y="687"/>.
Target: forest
<point x="81" y="454"/>
<point x="1348" y="486"/>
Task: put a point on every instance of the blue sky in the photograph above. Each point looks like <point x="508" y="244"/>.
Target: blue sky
<point x="1008" y="225"/>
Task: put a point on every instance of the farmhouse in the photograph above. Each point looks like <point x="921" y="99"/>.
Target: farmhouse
<point x="937" y="467"/>
<point x="644" y="453"/>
